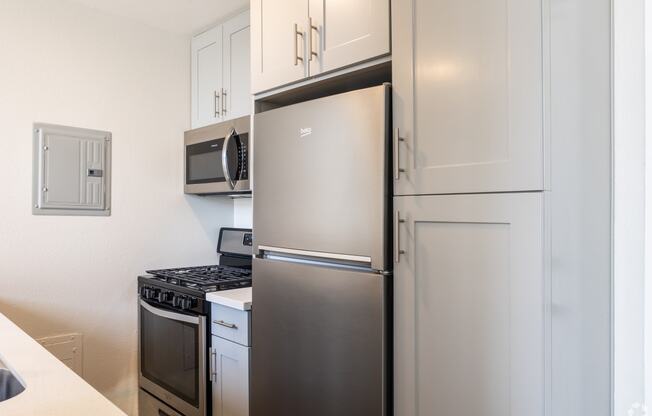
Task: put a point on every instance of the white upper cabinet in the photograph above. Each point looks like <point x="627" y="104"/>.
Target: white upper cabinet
<point x="343" y="33"/>
<point x="471" y="305"/>
<point x="221" y="71"/>
<point x="468" y="96"/>
<point x="305" y="38"/>
<point x="236" y="93"/>
<point x="206" y="67"/>
<point x="278" y="44"/>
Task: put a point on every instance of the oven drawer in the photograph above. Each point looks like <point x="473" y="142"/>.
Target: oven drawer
<point x="231" y="324"/>
<point x="148" y="405"/>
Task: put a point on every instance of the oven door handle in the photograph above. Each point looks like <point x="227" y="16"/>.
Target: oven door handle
<point x="170" y="315"/>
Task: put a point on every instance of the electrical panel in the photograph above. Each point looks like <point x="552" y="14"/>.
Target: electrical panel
<point x="72" y="171"/>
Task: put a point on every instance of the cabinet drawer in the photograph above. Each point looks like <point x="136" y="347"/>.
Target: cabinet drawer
<point x="231" y="324"/>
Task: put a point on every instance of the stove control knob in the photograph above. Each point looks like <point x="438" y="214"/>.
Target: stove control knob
<point x="177" y="301"/>
<point x="163" y="296"/>
<point x="147" y="292"/>
<point x="186" y="303"/>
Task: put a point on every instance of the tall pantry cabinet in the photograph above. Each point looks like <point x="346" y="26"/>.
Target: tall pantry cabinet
<point x="481" y="283"/>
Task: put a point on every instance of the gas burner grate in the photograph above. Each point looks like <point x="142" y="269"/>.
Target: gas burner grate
<point x="206" y="278"/>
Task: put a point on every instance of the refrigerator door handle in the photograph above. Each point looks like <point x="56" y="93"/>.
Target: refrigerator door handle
<point x="363" y="260"/>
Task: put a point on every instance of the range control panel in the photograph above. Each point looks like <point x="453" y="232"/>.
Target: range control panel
<point x="235" y="242"/>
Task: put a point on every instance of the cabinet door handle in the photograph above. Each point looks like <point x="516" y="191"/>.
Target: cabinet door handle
<point x="397" y="142"/>
<point x="297" y="58"/>
<point x="226" y="324"/>
<point x="316" y="29"/>
<point x="223" y="101"/>
<point x="213" y="365"/>
<point x="397" y="235"/>
<point x="216" y="100"/>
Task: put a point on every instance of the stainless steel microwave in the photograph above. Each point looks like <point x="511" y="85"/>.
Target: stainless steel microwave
<point x="217" y="158"/>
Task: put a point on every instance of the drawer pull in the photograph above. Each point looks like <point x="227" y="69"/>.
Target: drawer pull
<point x="226" y="324"/>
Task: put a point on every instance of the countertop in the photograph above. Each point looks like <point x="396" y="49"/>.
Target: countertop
<point x="234" y="298"/>
<point x="51" y="388"/>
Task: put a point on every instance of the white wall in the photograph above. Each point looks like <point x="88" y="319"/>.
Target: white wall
<point x="62" y="63"/>
<point x="243" y="213"/>
<point x="629" y="203"/>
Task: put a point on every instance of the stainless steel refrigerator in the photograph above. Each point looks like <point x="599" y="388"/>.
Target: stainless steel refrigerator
<point x="321" y="313"/>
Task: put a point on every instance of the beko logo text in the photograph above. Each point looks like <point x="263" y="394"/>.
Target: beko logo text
<point x="307" y="131"/>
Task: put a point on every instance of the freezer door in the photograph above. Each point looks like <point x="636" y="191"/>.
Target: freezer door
<point x="319" y="344"/>
<point x="321" y="174"/>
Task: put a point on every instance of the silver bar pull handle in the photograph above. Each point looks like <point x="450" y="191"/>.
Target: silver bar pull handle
<point x="226" y="324"/>
<point x="213" y="365"/>
<point x="216" y="100"/>
<point x="225" y="159"/>
<point x="316" y="29"/>
<point x="223" y="101"/>
<point x="397" y="235"/>
<point x="297" y="58"/>
<point x="397" y="168"/>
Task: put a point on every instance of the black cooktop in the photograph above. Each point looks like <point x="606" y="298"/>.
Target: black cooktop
<point x="204" y="278"/>
<point x="185" y="288"/>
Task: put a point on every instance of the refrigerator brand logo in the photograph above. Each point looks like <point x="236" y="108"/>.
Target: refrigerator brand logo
<point x="306" y="131"/>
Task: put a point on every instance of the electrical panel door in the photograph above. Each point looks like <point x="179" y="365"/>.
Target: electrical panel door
<point x="71" y="171"/>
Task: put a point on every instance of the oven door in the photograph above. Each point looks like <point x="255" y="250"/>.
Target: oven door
<point x="172" y="354"/>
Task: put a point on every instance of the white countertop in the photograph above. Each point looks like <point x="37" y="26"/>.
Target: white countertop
<point x="51" y="388"/>
<point x="234" y="298"/>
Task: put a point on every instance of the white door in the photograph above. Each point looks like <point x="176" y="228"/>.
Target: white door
<point x="468" y="95"/>
<point x="470" y="305"/>
<point x="231" y="384"/>
<point x="206" y="77"/>
<point x="278" y="47"/>
<point x="347" y="32"/>
<point x="236" y="92"/>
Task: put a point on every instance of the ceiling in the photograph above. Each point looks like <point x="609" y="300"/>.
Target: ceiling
<point x="178" y="16"/>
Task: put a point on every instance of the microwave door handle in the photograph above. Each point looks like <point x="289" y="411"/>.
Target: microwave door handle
<point x="225" y="159"/>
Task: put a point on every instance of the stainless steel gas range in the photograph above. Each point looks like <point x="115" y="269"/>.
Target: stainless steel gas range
<point x="173" y="341"/>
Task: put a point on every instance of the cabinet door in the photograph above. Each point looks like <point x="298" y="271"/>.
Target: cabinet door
<point x="470" y="305"/>
<point x="231" y="384"/>
<point x="278" y="51"/>
<point x="468" y="95"/>
<point x="206" y="78"/>
<point x="347" y="32"/>
<point x="236" y="92"/>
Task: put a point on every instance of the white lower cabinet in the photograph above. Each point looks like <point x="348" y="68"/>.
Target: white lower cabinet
<point x="471" y="298"/>
<point x="230" y="378"/>
<point x="230" y="355"/>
